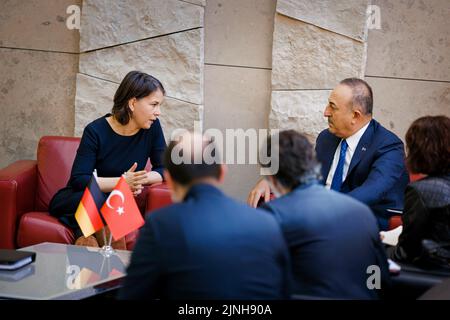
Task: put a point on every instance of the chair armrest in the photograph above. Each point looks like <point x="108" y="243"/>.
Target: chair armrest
<point x="37" y="227"/>
<point x="17" y="194"/>
<point x="158" y="196"/>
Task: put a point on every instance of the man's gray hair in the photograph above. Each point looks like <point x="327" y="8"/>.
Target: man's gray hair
<point x="362" y="93"/>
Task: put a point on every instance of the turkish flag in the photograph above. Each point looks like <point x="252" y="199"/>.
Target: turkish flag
<point x="121" y="212"/>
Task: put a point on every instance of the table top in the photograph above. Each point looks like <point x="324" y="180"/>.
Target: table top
<point x="64" y="272"/>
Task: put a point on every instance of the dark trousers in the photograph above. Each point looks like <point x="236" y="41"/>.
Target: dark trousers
<point x="63" y="206"/>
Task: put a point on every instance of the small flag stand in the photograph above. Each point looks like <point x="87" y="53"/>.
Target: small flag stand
<point x="119" y="212"/>
<point x="107" y="250"/>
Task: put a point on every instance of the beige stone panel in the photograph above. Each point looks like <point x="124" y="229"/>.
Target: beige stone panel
<point x="239" y="32"/>
<point x="308" y="57"/>
<point x="37" y="92"/>
<point x="37" y="24"/>
<point x="397" y="103"/>
<point x="237" y="98"/>
<point x="413" y="42"/>
<point x="196" y="2"/>
<point x="176" y="60"/>
<point x="176" y="114"/>
<point x="240" y="180"/>
<point x="299" y="110"/>
<point x="346" y="17"/>
<point x="110" y="22"/>
<point x="95" y="99"/>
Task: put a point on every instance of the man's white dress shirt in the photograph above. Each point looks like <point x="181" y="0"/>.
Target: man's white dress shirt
<point x="352" y="143"/>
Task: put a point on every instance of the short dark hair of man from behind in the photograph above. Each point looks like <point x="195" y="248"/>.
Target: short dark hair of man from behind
<point x="297" y="159"/>
<point x="188" y="173"/>
<point x="428" y="145"/>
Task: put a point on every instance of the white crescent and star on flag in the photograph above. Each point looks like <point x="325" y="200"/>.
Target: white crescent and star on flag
<point x="120" y="209"/>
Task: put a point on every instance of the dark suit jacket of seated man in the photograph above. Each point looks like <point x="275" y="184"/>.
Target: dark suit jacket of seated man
<point x="208" y="247"/>
<point x="333" y="239"/>
<point x="374" y="171"/>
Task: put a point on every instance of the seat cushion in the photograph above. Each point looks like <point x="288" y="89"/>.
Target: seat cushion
<point x="37" y="227"/>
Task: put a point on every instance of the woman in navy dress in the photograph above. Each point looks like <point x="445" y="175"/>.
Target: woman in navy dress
<point x="119" y="143"/>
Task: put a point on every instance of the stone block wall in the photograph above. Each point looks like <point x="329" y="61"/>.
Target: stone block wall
<point x="408" y="62"/>
<point x="238" y="61"/>
<point x="38" y="66"/>
<point x="226" y="63"/>
<point x="163" y="38"/>
<point x="318" y="43"/>
<point x="315" y="45"/>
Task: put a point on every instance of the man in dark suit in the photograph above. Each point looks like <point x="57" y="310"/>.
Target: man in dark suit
<point x="206" y="246"/>
<point x="359" y="157"/>
<point x="332" y="238"/>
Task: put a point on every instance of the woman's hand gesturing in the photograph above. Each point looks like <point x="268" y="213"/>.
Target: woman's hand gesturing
<point x="135" y="179"/>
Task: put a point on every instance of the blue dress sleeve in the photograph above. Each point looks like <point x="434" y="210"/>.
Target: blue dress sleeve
<point x="85" y="160"/>
<point x="158" y="146"/>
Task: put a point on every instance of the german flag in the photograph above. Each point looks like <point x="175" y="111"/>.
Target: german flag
<point x="88" y="212"/>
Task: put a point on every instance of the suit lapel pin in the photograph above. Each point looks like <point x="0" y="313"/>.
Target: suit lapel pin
<point x="363" y="149"/>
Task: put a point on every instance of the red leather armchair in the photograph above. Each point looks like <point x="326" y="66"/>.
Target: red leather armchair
<point x="158" y="196"/>
<point x="27" y="186"/>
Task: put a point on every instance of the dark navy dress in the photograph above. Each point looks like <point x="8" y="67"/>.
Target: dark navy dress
<point x="111" y="154"/>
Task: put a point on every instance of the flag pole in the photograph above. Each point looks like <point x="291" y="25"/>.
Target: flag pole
<point x="104" y="236"/>
<point x="106" y="250"/>
<point x="103" y="231"/>
<point x="110" y="238"/>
